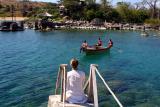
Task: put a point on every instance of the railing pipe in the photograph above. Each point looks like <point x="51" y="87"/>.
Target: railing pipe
<point x="114" y="96"/>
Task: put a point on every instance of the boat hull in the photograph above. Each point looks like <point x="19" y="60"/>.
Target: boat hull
<point x="95" y="50"/>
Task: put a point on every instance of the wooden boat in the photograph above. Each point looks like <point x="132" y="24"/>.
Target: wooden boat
<point x="96" y="49"/>
<point x="11" y="26"/>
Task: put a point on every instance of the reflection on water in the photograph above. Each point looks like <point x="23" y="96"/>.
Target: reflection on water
<point x="30" y="61"/>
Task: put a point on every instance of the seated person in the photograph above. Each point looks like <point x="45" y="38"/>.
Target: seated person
<point x="84" y="44"/>
<point x="99" y="42"/>
<point x="75" y="82"/>
<point x="110" y="43"/>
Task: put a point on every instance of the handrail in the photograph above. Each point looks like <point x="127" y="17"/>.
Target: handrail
<point x="64" y="85"/>
<point x="94" y="82"/>
<point x="91" y="84"/>
<point x="61" y="79"/>
<point x="107" y="86"/>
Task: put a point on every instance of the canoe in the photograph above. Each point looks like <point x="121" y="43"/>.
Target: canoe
<point x="96" y="49"/>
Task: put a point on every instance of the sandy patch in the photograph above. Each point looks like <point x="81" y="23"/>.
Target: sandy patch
<point x="15" y="18"/>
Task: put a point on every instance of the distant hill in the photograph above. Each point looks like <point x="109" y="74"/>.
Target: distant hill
<point x="19" y="2"/>
<point x="19" y="6"/>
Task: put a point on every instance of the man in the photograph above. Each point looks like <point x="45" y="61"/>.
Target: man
<point x="83" y="46"/>
<point x="99" y="42"/>
<point x="110" y="43"/>
<point x="75" y="82"/>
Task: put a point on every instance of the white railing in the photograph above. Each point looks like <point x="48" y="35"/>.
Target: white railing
<point x="93" y="68"/>
<point x="91" y="84"/>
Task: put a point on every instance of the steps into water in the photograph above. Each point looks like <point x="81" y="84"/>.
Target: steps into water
<point x="58" y="100"/>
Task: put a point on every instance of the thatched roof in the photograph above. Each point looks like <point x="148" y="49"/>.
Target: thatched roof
<point x="46" y="14"/>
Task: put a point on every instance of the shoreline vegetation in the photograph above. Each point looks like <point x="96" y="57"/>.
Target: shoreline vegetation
<point x="83" y="14"/>
<point x="82" y="25"/>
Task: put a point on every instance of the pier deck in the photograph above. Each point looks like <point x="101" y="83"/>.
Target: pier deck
<point x="54" y="101"/>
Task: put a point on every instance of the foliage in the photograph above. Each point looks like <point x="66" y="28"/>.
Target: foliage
<point x="131" y="15"/>
<point x="153" y="22"/>
<point x="88" y="10"/>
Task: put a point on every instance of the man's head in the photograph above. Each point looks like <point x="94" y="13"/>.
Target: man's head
<point x="74" y="63"/>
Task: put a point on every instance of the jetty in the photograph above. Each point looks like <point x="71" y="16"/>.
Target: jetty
<point x="90" y="89"/>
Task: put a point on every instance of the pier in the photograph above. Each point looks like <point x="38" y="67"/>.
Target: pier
<point x="90" y="88"/>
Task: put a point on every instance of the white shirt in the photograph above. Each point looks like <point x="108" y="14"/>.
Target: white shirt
<point x="75" y="82"/>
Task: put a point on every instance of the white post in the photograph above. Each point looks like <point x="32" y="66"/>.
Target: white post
<point x="93" y="70"/>
<point x="63" y="66"/>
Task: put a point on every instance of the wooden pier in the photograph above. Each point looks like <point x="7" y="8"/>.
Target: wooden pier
<point x="55" y="101"/>
<point x="90" y="89"/>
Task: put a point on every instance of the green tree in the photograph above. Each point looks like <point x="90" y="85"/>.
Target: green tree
<point x="153" y="6"/>
<point x="90" y="14"/>
<point x="125" y="11"/>
<point x="104" y="3"/>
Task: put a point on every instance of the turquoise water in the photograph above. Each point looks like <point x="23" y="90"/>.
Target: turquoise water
<point x="29" y="63"/>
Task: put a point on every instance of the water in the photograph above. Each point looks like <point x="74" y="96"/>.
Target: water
<point x="29" y="63"/>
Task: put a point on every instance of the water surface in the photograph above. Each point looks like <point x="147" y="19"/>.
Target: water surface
<point x="30" y="61"/>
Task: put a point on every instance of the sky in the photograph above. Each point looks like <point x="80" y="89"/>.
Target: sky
<point x="113" y="1"/>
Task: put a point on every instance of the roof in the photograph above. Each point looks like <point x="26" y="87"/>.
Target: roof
<point x="46" y="14"/>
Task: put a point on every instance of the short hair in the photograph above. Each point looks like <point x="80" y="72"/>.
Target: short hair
<point x="74" y="63"/>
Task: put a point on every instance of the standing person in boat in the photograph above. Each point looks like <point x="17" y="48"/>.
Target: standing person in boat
<point x="75" y="82"/>
<point x="110" y="43"/>
<point x="99" y="42"/>
<point x="84" y="45"/>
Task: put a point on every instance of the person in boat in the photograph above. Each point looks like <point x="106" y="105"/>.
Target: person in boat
<point x="110" y="43"/>
<point x="75" y="82"/>
<point x="84" y="45"/>
<point x="99" y="42"/>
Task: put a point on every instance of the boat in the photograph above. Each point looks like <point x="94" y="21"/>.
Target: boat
<point x="96" y="49"/>
<point x="11" y="26"/>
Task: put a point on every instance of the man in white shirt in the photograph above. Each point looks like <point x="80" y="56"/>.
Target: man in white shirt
<point x="75" y="82"/>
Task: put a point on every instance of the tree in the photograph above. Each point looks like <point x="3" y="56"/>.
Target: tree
<point x="73" y="7"/>
<point x="90" y="14"/>
<point x="124" y="11"/>
<point x="153" y="6"/>
<point x="90" y="1"/>
<point x="104" y="3"/>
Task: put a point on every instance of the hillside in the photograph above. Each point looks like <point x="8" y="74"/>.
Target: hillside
<point x="20" y="8"/>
